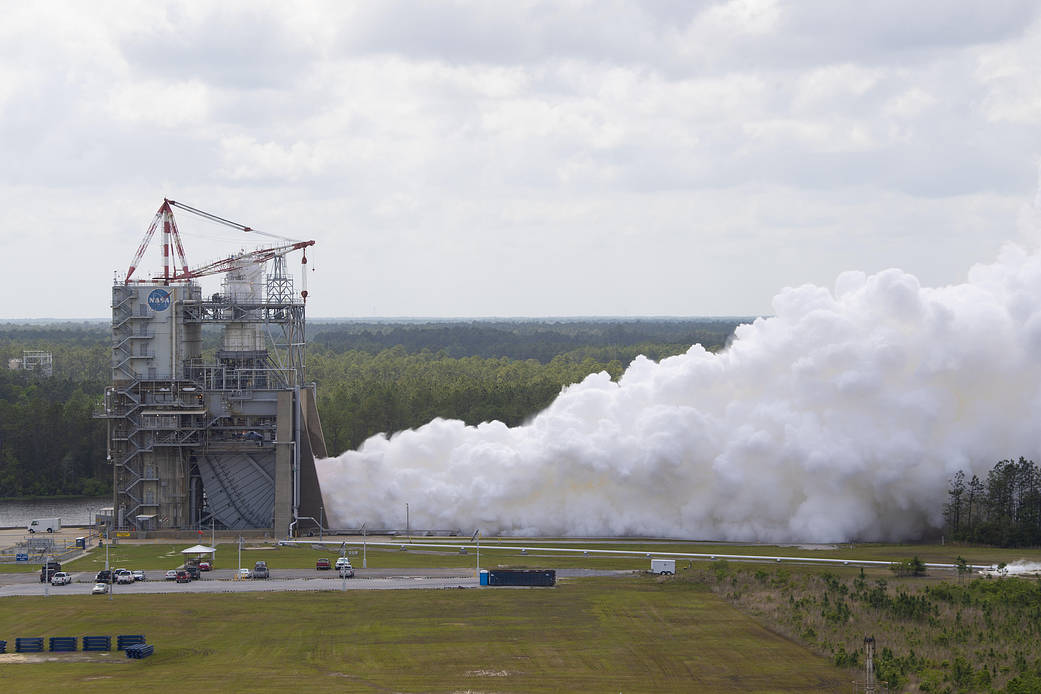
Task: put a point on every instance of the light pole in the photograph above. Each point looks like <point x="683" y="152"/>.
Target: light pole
<point x="477" y="537"/>
<point x="239" y="574"/>
<point x="321" y="523"/>
<point x="364" y="554"/>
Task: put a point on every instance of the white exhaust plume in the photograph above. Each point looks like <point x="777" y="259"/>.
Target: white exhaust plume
<point x="1023" y="566"/>
<point x="843" y="416"/>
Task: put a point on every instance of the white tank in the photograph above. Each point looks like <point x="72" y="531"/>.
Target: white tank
<point x="245" y="286"/>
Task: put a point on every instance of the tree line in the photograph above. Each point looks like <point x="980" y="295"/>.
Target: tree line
<point x="361" y="394"/>
<point x="541" y="340"/>
<point x="1002" y="509"/>
<point x="372" y="377"/>
<point x="49" y="443"/>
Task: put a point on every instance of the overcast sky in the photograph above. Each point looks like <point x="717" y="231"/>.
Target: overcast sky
<point x="519" y="158"/>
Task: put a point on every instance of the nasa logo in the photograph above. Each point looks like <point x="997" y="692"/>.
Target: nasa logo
<point x="159" y="300"/>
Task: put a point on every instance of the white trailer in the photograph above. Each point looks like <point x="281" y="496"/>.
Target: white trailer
<point x="663" y="567"/>
<point x="39" y="525"/>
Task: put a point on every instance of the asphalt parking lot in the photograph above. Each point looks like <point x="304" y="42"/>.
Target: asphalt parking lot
<point x="224" y="581"/>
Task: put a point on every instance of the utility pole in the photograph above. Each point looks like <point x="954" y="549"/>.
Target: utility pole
<point x="321" y="523"/>
<point x="343" y="571"/>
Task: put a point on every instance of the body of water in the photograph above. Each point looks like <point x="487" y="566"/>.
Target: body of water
<point x="78" y="511"/>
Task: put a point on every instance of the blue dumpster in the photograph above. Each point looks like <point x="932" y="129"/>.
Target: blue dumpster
<point x="522" y="577"/>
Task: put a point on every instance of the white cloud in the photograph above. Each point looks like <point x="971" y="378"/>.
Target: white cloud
<point x="165" y="105"/>
<point x="531" y="157"/>
<point x="246" y="159"/>
<point x="909" y="104"/>
<point x="1010" y="74"/>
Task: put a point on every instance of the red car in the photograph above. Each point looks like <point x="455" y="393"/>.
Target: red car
<point x="205" y="566"/>
<point x="183" y="577"/>
<point x="322" y="564"/>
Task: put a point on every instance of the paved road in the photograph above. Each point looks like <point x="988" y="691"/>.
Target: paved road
<point x="211" y="585"/>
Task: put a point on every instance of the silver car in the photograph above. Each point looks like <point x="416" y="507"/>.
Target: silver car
<point x="99" y="589"/>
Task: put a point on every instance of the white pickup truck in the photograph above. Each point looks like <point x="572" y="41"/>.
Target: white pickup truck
<point x="344" y="568"/>
<point x="61" y="579"/>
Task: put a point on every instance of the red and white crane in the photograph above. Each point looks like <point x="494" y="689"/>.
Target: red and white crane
<point x="173" y="250"/>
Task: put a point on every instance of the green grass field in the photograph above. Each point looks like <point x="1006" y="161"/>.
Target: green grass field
<point x="629" y="634"/>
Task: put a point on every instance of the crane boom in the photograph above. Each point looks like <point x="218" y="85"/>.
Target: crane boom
<point x="232" y="262"/>
<point x="240" y="260"/>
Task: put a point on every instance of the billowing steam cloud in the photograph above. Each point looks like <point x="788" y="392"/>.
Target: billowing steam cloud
<point x="843" y="416"/>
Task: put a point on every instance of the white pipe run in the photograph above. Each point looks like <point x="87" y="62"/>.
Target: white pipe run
<point x="680" y="555"/>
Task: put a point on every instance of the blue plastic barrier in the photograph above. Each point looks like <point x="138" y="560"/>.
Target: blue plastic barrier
<point x="124" y="640"/>
<point x="97" y="643"/>
<point x="63" y="644"/>
<point x="3" y="646"/>
<point x="33" y="644"/>
<point x="140" y="650"/>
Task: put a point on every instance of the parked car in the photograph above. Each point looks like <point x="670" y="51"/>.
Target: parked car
<point x="123" y="576"/>
<point x="171" y="575"/>
<point x="344" y="568"/>
<point x="260" y="570"/>
<point x="48" y="569"/>
<point x="99" y="589"/>
<point x="183" y="576"/>
<point x="193" y="572"/>
<point x="244" y="573"/>
<point x="104" y="576"/>
<point x="60" y="579"/>
<point x="139" y="575"/>
<point x="322" y="565"/>
<point x="205" y="566"/>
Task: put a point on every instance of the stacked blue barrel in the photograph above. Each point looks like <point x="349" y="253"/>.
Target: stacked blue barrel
<point x="139" y="650"/>
<point x="133" y="644"/>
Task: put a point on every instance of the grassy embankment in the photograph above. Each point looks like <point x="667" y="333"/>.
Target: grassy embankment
<point x="968" y="635"/>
